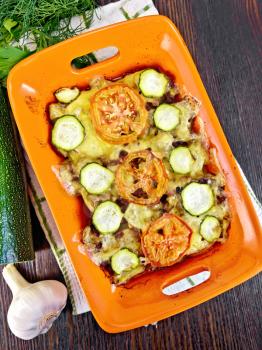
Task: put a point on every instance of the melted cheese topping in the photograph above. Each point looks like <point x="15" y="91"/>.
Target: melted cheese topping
<point x="94" y="149"/>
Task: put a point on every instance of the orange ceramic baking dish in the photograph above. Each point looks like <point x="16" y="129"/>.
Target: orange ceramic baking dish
<point x="149" y="41"/>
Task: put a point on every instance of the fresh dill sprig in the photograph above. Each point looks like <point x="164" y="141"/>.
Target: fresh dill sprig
<point x="47" y="21"/>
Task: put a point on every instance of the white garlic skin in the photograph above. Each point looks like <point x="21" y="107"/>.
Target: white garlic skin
<point x="35" y="306"/>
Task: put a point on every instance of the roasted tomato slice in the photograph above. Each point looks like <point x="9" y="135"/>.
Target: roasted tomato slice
<point x="118" y="113"/>
<point x="141" y="178"/>
<point x="166" y="240"/>
<point x="213" y="166"/>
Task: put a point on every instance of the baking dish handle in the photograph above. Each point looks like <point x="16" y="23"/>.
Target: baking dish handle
<point x="87" y="43"/>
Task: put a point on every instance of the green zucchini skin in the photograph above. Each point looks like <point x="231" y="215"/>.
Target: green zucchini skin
<point x="16" y="242"/>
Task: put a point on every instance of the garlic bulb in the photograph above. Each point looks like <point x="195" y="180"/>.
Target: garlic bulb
<point x="35" y="306"/>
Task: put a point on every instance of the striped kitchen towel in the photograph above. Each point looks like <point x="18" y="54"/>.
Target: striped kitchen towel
<point x="111" y="13"/>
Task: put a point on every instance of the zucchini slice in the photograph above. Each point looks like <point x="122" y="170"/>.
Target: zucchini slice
<point x="95" y="178"/>
<point x="210" y="228"/>
<point x="197" y="198"/>
<point x="67" y="95"/>
<point x="68" y="133"/>
<point x="181" y="160"/>
<point x="166" y="117"/>
<point x="124" y="260"/>
<point x="152" y="83"/>
<point x="107" y="217"/>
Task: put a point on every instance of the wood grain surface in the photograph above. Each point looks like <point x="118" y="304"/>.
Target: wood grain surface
<point x="224" y="38"/>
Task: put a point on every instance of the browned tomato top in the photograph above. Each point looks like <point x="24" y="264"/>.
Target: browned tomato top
<point x="118" y="113"/>
<point x="166" y="240"/>
<point x="141" y="178"/>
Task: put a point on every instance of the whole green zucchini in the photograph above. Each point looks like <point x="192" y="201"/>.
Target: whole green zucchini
<point x="16" y="242"/>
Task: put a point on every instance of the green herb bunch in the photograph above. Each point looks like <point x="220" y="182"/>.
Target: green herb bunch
<point x="38" y="22"/>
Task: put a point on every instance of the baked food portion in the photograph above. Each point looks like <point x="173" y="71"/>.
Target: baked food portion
<point x="137" y="152"/>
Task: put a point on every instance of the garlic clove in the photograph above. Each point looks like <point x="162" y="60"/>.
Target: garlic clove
<point x="35" y="306"/>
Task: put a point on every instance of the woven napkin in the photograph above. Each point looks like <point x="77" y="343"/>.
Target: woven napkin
<point x="108" y="14"/>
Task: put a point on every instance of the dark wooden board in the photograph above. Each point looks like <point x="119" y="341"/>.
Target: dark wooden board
<point x="223" y="38"/>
